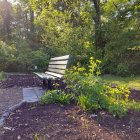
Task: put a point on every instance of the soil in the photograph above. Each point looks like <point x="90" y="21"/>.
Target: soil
<point x="135" y="94"/>
<point x="21" y="80"/>
<point x="57" y="122"/>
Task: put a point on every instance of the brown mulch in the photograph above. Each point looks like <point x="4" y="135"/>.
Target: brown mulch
<point x="56" y="122"/>
<point x="135" y="94"/>
<point x="21" y="80"/>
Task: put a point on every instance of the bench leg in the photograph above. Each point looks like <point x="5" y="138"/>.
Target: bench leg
<point x="44" y="82"/>
<point x="49" y="84"/>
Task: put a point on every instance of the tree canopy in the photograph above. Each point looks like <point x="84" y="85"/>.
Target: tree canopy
<point x="105" y="29"/>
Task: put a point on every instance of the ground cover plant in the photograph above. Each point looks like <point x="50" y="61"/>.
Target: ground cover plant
<point x="56" y="96"/>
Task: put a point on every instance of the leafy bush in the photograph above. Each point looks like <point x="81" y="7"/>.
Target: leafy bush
<point x="55" y="96"/>
<point x="91" y="93"/>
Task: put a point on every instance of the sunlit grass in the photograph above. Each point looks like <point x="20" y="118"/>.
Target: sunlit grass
<point x="133" y="105"/>
<point x="132" y="82"/>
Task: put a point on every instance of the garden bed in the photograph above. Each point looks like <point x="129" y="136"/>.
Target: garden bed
<point x="56" y="122"/>
<point x="20" y="80"/>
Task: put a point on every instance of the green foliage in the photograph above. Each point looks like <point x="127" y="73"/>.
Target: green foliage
<point x="118" y="100"/>
<point x="88" y="102"/>
<point x="121" y="30"/>
<point x="39" y="137"/>
<point x="67" y="27"/>
<point x="133" y="105"/>
<point x="55" y="96"/>
<point x="24" y="59"/>
<point x="39" y="59"/>
<point x="58" y="27"/>
<point x="92" y="93"/>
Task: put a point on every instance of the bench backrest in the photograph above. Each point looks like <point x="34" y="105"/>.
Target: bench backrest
<point x="57" y="66"/>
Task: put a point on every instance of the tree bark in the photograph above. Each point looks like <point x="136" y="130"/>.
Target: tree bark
<point x="97" y="20"/>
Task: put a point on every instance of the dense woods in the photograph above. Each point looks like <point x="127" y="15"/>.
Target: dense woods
<point x="32" y="31"/>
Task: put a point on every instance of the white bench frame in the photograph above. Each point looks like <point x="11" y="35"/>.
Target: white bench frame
<point x="56" y="69"/>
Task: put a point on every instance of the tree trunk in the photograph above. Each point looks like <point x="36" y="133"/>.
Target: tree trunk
<point x="97" y="20"/>
<point x="32" y="29"/>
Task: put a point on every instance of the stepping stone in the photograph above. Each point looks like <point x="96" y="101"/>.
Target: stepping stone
<point x="32" y="94"/>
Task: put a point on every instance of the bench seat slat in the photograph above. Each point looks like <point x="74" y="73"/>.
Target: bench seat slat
<point x="60" y="58"/>
<point x="44" y="76"/>
<point x="54" y="74"/>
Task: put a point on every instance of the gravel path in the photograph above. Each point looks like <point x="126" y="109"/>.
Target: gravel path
<point x="9" y="97"/>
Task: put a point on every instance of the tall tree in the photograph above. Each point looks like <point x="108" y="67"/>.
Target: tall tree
<point x="6" y="19"/>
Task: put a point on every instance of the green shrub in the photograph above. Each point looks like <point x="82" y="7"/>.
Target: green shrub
<point x="92" y="93"/>
<point x="55" y="96"/>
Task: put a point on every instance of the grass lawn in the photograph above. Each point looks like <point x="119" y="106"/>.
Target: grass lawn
<point x="132" y="82"/>
<point x="2" y="76"/>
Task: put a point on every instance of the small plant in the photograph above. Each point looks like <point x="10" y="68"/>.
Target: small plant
<point x="36" y="137"/>
<point x="55" y="96"/>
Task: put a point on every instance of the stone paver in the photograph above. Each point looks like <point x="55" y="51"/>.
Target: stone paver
<point x="32" y="94"/>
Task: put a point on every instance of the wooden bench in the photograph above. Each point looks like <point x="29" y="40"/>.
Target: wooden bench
<point x="56" y="69"/>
